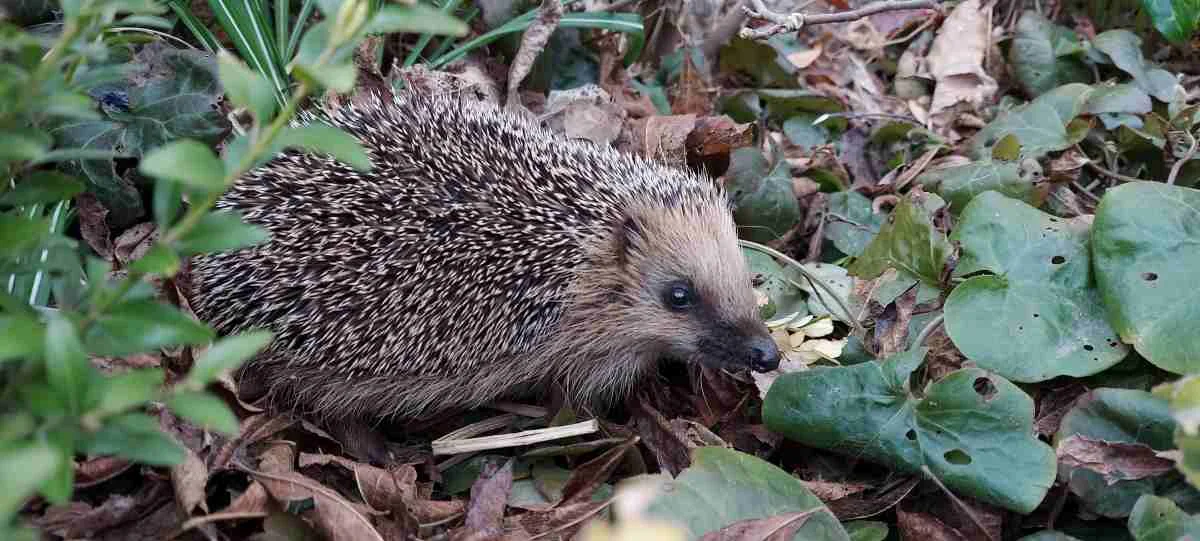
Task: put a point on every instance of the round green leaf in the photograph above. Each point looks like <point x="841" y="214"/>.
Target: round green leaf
<point x="723" y="486"/>
<point x="1040" y="125"/>
<point x="1037" y="315"/>
<point x="972" y="429"/>
<point x="961" y="183"/>
<point x="851" y="223"/>
<point x="1144" y="242"/>
<point x="1159" y="519"/>
<point x="1043" y="54"/>
<point x="766" y="206"/>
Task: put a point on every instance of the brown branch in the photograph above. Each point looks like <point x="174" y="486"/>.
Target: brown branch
<point x="793" y="22"/>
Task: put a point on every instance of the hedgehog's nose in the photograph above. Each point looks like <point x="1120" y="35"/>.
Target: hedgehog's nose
<point x="764" y="354"/>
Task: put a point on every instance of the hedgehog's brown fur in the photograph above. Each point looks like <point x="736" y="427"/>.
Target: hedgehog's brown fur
<point x="482" y="257"/>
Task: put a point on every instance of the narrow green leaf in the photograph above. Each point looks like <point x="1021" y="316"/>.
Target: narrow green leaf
<point x="22" y="144"/>
<point x="205" y="410"/>
<point x="144" y="325"/>
<point x="251" y="34"/>
<point x="24" y="468"/>
<point x="67" y="366"/>
<point x="221" y="232"/>
<point x="1177" y="20"/>
<point x="130" y="389"/>
<point x="326" y="139"/>
<point x="160" y="259"/>
<point x="20" y="337"/>
<point x="226" y="354"/>
<point x="135" y="436"/>
<point x="42" y="187"/>
<point x="246" y="88"/>
<point x="395" y="18"/>
<point x="18" y="233"/>
<point x="188" y="162"/>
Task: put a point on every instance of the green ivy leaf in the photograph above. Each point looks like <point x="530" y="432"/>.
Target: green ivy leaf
<point x="960" y="184"/>
<point x="172" y="94"/>
<point x="135" y="436"/>
<point x="1036" y="315"/>
<point x="908" y="242"/>
<point x="1045" y="55"/>
<point x="1159" y="519"/>
<point x="1120" y="98"/>
<point x="851" y="223"/>
<point x="225" y="355"/>
<point x="765" y="204"/>
<point x="1040" y="125"/>
<point x="1125" y="50"/>
<point x="246" y="88"/>
<point x="723" y="486"/>
<point x="205" y="410"/>
<point x="1143" y="241"/>
<point x="221" y="232"/>
<point x="972" y="429"/>
<point x="323" y="138"/>
<point x="187" y="162"/>
<point x="42" y="187"/>
<point x="144" y="325"/>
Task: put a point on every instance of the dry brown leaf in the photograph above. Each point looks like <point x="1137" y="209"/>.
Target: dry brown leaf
<point x="335" y="517"/>
<point x="558" y="523"/>
<point x="829" y="491"/>
<point x="533" y="40"/>
<point x="890" y="334"/>
<point x="718" y="136"/>
<point x="926" y="527"/>
<point x="134" y="242"/>
<point x="872" y="502"/>
<point x="189" y="479"/>
<point x="586" y="478"/>
<point x="777" y="528"/>
<point x="252" y="503"/>
<point x="93" y="225"/>
<point x="664" y="138"/>
<point x="692" y="95"/>
<point x="489" y="496"/>
<point x="94" y="471"/>
<point x="956" y="59"/>
<point x="668" y="448"/>
<point x="1115" y="461"/>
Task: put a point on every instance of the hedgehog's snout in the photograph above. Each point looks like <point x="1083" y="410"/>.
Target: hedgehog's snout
<point x="764" y="354"/>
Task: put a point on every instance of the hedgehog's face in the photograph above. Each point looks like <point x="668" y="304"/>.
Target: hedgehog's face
<point x="694" y="300"/>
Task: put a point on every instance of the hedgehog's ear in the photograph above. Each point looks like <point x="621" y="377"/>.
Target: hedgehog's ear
<point x="625" y="233"/>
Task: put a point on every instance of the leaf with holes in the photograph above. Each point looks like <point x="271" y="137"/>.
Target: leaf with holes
<point x="1144" y="242"/>
<point x="972" y="429"/>
<point x="723" y="486"/>
<point x="1159" y="519"/>
<point x="1035" y="314"/>
<point x="1126" y="417"/>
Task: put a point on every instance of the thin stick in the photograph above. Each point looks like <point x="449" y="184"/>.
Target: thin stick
<point x="795" y="21"/>
<point x="1182" y="160"/>
<point x="853" y="321"/>
<point x="502" y="441"/>
<point x="961" y="504"/>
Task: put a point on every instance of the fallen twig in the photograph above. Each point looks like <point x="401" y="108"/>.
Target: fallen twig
<point x="500" y="441"/>
<point x="1187" y="156"/>
<point x="795" y="21"/>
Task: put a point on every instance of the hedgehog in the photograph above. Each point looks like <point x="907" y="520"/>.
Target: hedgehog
<point x="482" y="258"/>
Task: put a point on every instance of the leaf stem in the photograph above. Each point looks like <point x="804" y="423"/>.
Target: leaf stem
<point x="847" y="314"/>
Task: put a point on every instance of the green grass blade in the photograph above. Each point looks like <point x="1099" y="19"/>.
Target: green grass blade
<point x="197" y="28"/>
<point x="251" y="33"/>
<point x="630" y="23"/>
<point x="449" y="7"/>
<point x="306" y="10"/>
<point x="283" y="11"/>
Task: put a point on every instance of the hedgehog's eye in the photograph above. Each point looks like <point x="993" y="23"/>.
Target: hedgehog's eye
<point x="679" y="296"/>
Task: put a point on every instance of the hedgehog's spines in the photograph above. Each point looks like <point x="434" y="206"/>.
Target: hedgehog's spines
<point x="476" y="258"/>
